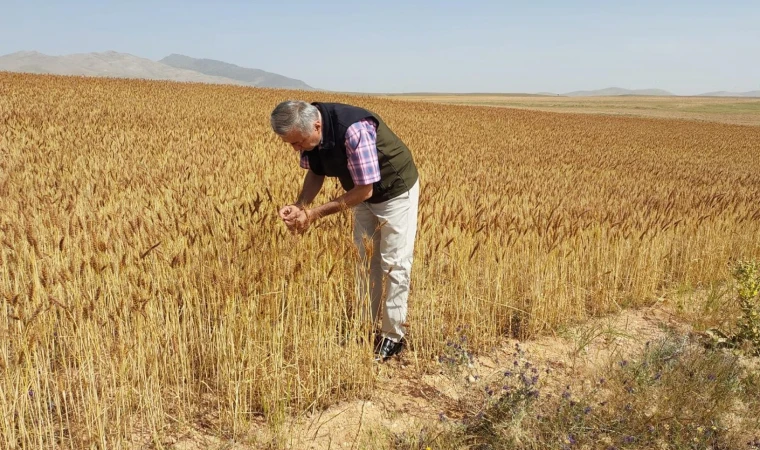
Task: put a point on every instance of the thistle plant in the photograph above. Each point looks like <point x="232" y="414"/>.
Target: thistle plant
<point x="747" y="275"/>
<point x="747" y="337"/>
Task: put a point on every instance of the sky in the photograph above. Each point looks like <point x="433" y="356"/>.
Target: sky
<point x="685" y="47"/>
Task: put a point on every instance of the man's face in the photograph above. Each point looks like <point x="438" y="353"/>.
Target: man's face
<point x="301" y="141"/>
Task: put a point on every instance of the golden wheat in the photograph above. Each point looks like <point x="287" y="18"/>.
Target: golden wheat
<point x="148" y="284"/>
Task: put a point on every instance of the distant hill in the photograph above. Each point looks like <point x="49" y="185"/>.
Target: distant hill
<point x="252" y="77"/>
<point x="731" y="94"/>
<point x="105" y="64"/>
<point x="616" y="91"/>
<point x="124" y="65"/>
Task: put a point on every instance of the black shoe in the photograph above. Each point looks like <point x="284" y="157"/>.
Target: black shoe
<point x="387" y="348"/>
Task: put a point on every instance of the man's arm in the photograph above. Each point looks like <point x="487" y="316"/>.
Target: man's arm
<point x="348" y="200"/>
<point x="312" y="184"/>
<point x="297" y="218"/>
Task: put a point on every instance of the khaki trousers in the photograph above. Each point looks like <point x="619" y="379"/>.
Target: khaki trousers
<point x="388" y="229"/>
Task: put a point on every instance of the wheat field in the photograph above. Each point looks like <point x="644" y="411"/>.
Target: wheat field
<point x="731" y="110"/>
<point x="147" y="282"/>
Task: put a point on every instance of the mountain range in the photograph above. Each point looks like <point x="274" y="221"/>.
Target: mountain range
<point x="184" y="68"/>
<point x="616" y="91"/>
<point x="732" y="94"/>
<point x="124" y="65"/>
<point x="252" y="77"/>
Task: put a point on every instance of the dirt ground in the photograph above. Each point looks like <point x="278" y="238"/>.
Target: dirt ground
<point x="414" y="397"/>
<point x="407" y="397"/>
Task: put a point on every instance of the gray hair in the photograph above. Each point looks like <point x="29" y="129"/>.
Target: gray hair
<point x="294" y="114"/>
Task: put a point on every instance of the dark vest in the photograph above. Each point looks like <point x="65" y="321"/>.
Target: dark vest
<point x="397" y="170"/>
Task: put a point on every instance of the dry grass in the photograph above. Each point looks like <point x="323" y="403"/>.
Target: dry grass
<point x="148" y="285"/>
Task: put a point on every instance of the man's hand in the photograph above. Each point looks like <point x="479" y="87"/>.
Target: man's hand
<point x="297" y="219"/>
<point x="289" y="212"/>
<point x="300" y="222"/>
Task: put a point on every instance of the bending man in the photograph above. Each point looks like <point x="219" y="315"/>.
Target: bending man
<point x="377" y="171"/>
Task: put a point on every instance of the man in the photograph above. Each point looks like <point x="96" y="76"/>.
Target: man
<point x="378" y="173"/>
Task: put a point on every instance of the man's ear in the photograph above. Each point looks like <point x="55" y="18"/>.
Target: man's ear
<point x="318" y="125"/>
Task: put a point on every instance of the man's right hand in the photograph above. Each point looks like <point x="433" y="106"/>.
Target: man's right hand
<point x="289" y="212"/>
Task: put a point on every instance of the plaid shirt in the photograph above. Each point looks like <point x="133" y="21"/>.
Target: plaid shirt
<point x="361" y="150"/>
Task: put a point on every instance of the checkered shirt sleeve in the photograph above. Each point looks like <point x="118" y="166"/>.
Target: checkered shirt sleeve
<point x="361" y="150"/>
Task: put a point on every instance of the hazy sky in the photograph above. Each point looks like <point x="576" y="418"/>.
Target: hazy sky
<point x="686" y="47"/>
